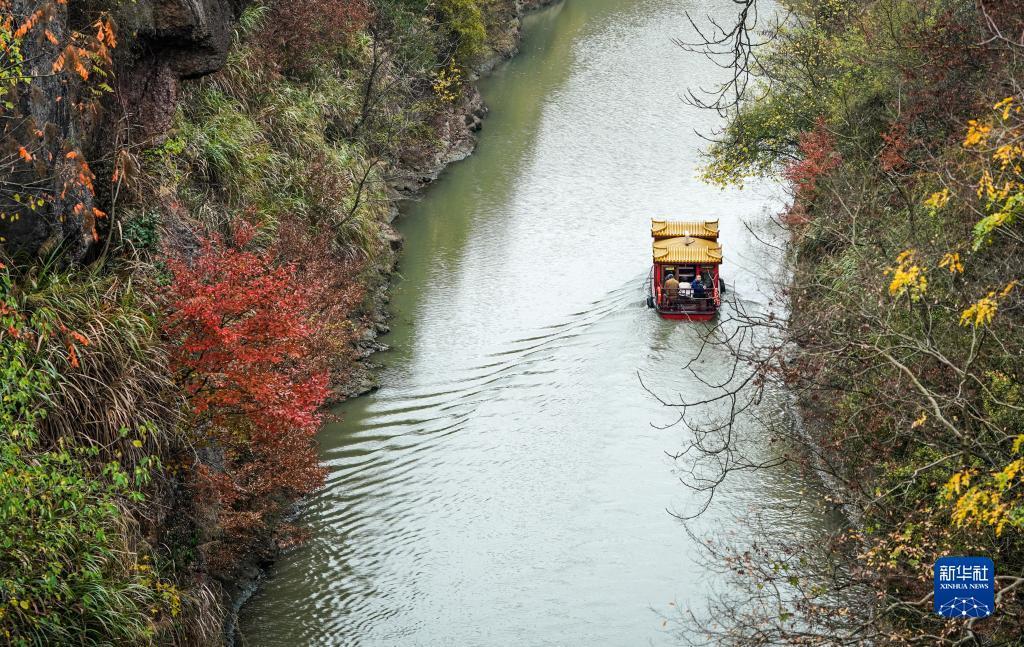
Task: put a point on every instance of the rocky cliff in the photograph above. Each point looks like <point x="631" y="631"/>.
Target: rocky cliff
<point x="70" y="121"/>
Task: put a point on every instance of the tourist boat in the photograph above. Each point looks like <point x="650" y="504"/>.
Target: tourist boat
<point x="684" y="251"/>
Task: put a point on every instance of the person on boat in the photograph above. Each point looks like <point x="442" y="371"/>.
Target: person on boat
<point x="698" y="288"/>
<point x="671" y="288"/>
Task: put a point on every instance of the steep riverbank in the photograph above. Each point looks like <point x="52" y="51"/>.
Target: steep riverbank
<point x="458" y="141"/>
<point x="191" y="270"/>
<point x="896" y="125"/>
<point x="359" y="375"/>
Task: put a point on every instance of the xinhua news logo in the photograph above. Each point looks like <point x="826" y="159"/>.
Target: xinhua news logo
<point x="965" y="587"/>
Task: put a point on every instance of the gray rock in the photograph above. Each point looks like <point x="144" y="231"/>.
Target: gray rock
<point x="161" y="43"/>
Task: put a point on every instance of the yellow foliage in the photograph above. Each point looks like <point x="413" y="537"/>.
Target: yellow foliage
<point x="981" y="507"/>
<point x="998" y="219"/>
<point x="984" y="309"/>
<point x="447" y="83"/>
<point x="1007" y="154"/>
<point x="1006" y="106"/>
<point x="1000" y="183"/>
<point x="937" y="200"/>
<point x="956" y="484"/>
<point x="1018" y="442"/>
<point x="977" y="133"/>
<point x="1005" y="476"/>
<point x="996" y="501"/>
<point x="951" y="261"/>
<point x="981" y="311"/>
<point x="984" y="505"/>
<point x="987" y="188"/>
<point x="908" y="277"/>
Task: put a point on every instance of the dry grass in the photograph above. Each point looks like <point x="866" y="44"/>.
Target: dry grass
<point x="113" y="386"/>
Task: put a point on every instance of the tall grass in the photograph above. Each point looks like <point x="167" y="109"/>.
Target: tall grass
<point x="112" y="379"/>
<point x="249" y="143"/>
<point x="73" y="566"/>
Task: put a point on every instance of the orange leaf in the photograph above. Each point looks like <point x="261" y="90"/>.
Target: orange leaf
<point x="27" y="25"/>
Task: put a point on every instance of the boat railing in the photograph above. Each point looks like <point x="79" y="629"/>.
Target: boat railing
<point x="687" y="293"/>
<point x="684" y="301"/>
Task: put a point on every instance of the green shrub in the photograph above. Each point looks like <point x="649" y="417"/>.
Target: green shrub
<point x="465" y="23"/>
<point x="141" y="232"/>
<point x="69" y="571"/>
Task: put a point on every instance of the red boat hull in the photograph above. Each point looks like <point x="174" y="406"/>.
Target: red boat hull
<point x="688" y="316"/>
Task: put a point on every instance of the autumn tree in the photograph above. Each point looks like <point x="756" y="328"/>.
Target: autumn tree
<point x="897" y="128"/>
<point x="240" y="331"/>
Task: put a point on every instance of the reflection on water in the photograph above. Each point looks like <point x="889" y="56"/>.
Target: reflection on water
<point x="507" y="485"/>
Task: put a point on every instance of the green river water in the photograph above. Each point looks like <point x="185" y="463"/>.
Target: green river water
<point x="508" y="484"/>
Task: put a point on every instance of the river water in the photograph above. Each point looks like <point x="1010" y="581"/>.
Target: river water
<point x="509" y="484"/>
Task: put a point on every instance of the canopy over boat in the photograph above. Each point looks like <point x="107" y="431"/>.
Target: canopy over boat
<point x="662" y="229"/>
<point x="683" y="249"/>
<point x="685" y="281"/>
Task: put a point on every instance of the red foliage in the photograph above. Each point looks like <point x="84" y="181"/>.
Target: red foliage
<point x="818" y="156"/>
<point x="334" y="292"/>
<point x="795" y="215"/>
<point x="242" y="336"/>
<point x="893" y="155"/>
<point x="242" y="327"/>
<point x="300" y="31"/>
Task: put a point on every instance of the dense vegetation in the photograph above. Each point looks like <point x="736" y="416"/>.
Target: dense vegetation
<point x="898" y="125"/>
<point x="160" y="397"/>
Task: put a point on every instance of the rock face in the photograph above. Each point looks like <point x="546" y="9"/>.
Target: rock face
<point x="161" y="43"/>
<point x="171" y="40"/>
<point x="43" y="117"/>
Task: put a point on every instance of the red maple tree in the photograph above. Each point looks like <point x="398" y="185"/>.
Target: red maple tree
<point x="818" y="156"/>
<point x="241" y="332"/>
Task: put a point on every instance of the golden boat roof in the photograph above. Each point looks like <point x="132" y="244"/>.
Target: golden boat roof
<point x="687" y="250"/>
<point x="661" y="229"/>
